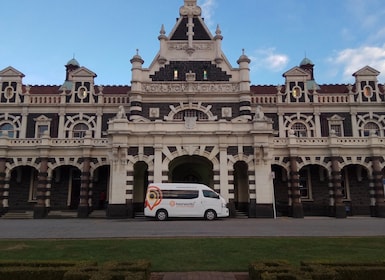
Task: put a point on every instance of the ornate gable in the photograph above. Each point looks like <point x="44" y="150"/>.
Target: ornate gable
<point x="11" y="73"/>
<point x="367" y="71"/>
<point x="83" y="72"/>
<point x="295" y="72"/>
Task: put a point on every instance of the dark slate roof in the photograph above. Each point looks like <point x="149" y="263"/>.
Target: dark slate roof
<point x="200" y="32"/>
<point x="39" y="89"/>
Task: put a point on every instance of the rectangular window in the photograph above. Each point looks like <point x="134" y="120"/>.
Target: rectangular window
<point x="180" y="194"/>
<point x="41" y="129"/>
<point x="175" y="74"/>
<point x="337" y="129"/>
<point x="33" y="187"/>
<point x="304" y="185"/>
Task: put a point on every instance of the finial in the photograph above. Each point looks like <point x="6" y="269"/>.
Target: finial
<point x="218" y="31"/>
<point x="243" y="51"/>
<point x="162" y="31"/>
<point x="137" y="51"/>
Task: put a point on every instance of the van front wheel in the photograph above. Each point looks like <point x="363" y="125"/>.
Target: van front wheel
<point x="210" y="215"/>
<point x="161" y="215"/>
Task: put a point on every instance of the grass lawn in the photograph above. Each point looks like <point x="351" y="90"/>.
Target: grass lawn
<point x="210" y="254"/>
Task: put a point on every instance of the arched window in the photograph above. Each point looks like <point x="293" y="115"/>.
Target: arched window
<point x="299" y="129"/>
<point x="199" y="115"/>
<point x="370" y="128"/>
<point x="7" y="129"/>
<point x="79" y="130"/>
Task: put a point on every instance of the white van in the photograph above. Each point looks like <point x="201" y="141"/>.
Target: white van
<point x="164" y="200"/>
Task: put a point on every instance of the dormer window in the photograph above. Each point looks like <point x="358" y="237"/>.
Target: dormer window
<point x="297" y="92"/>
<point x="368" y="92"/>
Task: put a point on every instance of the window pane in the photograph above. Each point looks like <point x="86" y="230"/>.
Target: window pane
<point x="80" y="130"/>
<point x="337" y="129"/>
<point x="7" y="127"/>
<point x="369" y="127"/>
<point x="299" y="130"/>
<point x="41" y="129"/>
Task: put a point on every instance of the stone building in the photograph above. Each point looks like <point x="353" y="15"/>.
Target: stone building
<point x="294" y="149"/>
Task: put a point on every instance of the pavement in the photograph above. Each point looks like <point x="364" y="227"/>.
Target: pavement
<point x="144" y="228"/>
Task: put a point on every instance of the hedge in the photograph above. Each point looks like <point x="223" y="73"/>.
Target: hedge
<point x="10" y="270"/>
<point x="317" y="271"/>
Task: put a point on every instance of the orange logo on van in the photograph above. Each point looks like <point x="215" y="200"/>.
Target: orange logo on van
<point x="154" y="197"/>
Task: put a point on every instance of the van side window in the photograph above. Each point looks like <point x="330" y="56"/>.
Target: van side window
<point x="210" y="194"/>
<point x="180" y="194"/>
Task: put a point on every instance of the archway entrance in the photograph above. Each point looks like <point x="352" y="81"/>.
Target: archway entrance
<point x="281" y="190"/>
<point x="100" y="187"/>
<point x="23" y="188"/>
<point x="140" y="185"/>
<point x="65" y="188"/>
<point x="191" y="169"/>
<point x="241" y="187"/>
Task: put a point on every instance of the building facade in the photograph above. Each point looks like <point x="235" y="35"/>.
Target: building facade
<point x="295" y="149"/>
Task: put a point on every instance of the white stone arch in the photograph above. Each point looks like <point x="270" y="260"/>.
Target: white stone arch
<point x="74" y="161"/>
<point x="379" y="120"/>
<point x="15" y="121"/>
<point x="191" y="151"/>
<point x="132" y="160"/>
<point x="314" y="160"/>
<point x="358" y="161"/>
<point x="190" y="106"/>
<point x="280" y="161"/>
<point x="72" y="121"/>
<point x="17" y="162"/>
<point x="306" y="120"/>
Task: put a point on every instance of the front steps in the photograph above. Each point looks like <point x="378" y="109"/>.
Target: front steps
<point x="18" y="215"/>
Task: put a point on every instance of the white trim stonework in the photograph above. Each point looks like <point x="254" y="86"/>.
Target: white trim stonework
<point x="190" y="116"/>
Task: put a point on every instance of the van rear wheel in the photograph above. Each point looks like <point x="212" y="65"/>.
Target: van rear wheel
<point x="161" y="215"/>
<point x="210" y="215"/>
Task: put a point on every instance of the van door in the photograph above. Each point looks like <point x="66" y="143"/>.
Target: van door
<point x="182" y="203"/>
<point x="211" y="200"/>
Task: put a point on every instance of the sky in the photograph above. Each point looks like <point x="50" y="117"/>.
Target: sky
<point x="38" y="37"/>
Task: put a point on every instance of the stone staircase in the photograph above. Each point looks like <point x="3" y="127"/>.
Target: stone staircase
<point x="18" y="215"/>
<point x="62" y="214"/>
<point x="241" y="214"/>
<point x="139" y="215"/>
<point x="98" y="214"/>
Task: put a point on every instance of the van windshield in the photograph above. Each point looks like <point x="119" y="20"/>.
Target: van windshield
<point x="210" y="194"/>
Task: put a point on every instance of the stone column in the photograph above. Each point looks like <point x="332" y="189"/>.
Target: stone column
<point x="339" y="206"/>
<point x="83" y="209"/>
<point x="379" y="209"/>
<point x="2" y="184"/>
<point x="224" y="174"/>
<point x="158" y="164"/>
<point x="296" y="207"/>
<point x="40" y="211"/>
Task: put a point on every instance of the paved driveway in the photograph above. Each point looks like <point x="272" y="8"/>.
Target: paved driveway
<point x="142" y="228"/>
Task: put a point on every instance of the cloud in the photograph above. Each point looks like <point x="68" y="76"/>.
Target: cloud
<point x="269" y="59"/>
<point x="354" y="59"/>
<point x="208" y="8"/>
